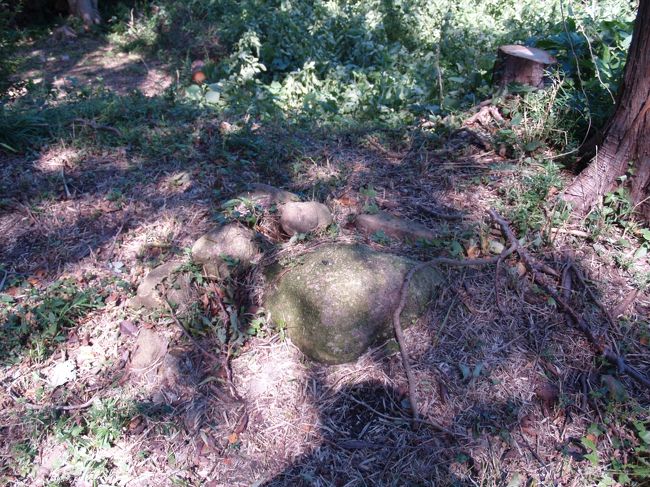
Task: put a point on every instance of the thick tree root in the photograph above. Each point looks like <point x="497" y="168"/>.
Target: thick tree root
<point x="397" y="326"/>
<point x="538" y="271"/>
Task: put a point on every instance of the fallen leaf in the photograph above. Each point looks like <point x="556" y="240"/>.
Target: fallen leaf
<point x="12" y="291"/>
<point x="548" y="394"/>
<point x="128" y="328"/>
<point x="136" y="425"/>
<point x="113" y="298"/>
<point x="346" y="201"/>
<point x="527" y="424"/>
<point x="242" y="424"/>
<point x="473" y="250"/>
<point x="34" y="281"/>
<point x="62" y="373"/>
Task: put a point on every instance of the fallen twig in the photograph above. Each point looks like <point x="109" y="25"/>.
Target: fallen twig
<point x="72" y="407"/>
<point x="65" y="185"/>
<point x="496" y="283"/>
<point x="599" y="343"/>
<point x="420" y="421"/>
<point x="195" y="342"/>
<point x="183" y="329"/>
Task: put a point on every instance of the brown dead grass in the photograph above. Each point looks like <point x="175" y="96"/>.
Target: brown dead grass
<point x="299" y="423"/>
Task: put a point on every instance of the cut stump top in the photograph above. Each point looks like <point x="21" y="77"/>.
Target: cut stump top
<point x="530" y="53"/>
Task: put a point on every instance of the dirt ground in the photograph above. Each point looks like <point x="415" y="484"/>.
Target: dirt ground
<point x="506" y="387"/>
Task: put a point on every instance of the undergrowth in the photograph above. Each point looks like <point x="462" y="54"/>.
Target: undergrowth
<point x="35" y="321"/>
<point x="395" y="61"/>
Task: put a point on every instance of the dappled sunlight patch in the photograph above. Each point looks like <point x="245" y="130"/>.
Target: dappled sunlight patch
<point x="58" y="158"/>
<point x="153" y="240"/>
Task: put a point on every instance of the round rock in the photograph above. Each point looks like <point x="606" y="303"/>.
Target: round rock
<point x="338" y="301"/>
<point x="219" y="249"/>
<point x="304" y="217"/>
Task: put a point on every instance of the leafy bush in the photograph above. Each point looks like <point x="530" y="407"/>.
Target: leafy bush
<point x="388" y="60"/>
<point x="8" y="12"/>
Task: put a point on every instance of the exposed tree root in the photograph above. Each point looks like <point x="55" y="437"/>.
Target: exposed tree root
<point x="601" y="344"/>
<point x="399" y="332"/>
<point x="537" y="271"/>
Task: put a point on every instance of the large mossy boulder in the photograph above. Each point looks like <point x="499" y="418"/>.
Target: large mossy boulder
<point x="338" y="301"/>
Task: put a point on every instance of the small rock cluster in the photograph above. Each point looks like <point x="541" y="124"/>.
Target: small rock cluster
<point x="335" y="304"/>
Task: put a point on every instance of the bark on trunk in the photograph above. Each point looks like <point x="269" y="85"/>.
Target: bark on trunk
<point x="87" y="10"/>
<point x="626" y="143"/>
<point x="520" y="64"/>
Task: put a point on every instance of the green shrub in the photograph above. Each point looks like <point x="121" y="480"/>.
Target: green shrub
<point x="8" y="12"/>
<point x="393" y="61"/>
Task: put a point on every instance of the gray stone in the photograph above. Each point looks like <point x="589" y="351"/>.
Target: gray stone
<point x="339" y="300"/>
<point x="392" y="226"/>
<point x="232" y="242"/>
<point x="297" y="217"/>
<point x="176" y="283"/>
<point x="267" y="196"/>
<point x="149" y="351"/>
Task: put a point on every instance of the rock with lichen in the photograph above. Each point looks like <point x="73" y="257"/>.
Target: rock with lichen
<point x="339" y="300"/>
<point x="392" y="226"/>
<point x="304" y="217"/>
<point x="267" y="196"/>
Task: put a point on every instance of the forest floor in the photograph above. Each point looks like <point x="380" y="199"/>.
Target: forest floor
<point x="523" y="397"/>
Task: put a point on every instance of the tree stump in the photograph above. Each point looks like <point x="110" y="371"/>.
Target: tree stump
<point x="520" y="64"/>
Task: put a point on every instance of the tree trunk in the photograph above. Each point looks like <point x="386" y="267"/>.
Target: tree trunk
<point x="85" y="9"/>
<point x="626" y="142"/>
<point x="520" y="64"/>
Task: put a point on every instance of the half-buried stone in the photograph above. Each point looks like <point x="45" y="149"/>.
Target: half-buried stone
<point x="174" y="281"/>
<point x="220" y="249"/>
<point x="338" y="301"/>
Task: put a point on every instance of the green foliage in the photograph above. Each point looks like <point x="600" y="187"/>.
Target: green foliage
<point x="38" y="319"/>
<point x="243" y="210"/>
<point x="621" y="441"/>
<point x="591" y="47"/>
<point x="156" y="127"/>
<point x="392" y="60"/>
<point x="8" y="36"/>
<point x="530" y="197"/>
<point x="633" y="244"/>
<point x="86" y="436"/>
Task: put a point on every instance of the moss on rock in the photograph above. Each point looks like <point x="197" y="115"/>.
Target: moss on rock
<point x="338" y="300"/>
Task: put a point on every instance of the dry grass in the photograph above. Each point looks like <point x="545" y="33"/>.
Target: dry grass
<point x="514" y="391"/>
